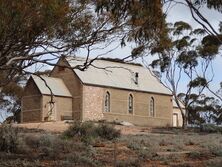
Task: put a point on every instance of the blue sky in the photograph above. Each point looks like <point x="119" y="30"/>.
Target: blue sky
<point x="182" y="13"/>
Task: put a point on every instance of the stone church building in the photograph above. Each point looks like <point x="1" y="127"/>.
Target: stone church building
<point x="106" y="90"/>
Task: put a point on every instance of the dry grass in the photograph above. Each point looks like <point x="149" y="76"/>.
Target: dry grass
<point x="157" y="147"/>
<point x="177" y="149"/>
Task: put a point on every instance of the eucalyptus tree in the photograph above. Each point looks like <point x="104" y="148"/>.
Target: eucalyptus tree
<point x="41" y="31"/>
<point x="204" y="109"/>
<point x="187" y="60"/>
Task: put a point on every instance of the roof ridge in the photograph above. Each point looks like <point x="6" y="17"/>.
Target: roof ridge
<point x="43" y="76"/>
<point x="113" y="60"/>
<point x="104" y="73"/>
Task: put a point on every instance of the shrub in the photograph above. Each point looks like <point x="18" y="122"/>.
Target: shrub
<point x="50" y="146"/>
<point x="215" y="150"/>
<point x="195" y="155"/>
<point x="210" y="128"/>
<point x="80" y="159"/>
<point x="134" y="145"/>
<point x="20" y="163"/>
<point x="128" y="163"/>
<point x="78" y="129"/>
<point x="88" y="132"/>
<point x="107" y="132"/>
<point x="163" y="143"/>
<point x="216" y="162"/>
<point x="8" y="138"/>
<point x="32" y="141"/>
<point x="147" y="153"/>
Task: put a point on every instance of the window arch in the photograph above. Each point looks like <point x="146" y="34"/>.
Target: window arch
<point x="152" y="110"/>
<point x="130" y="104"/>
<point x="107" y="102"/>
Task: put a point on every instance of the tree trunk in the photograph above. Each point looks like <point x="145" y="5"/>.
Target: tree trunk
<point x="185" y="119"/>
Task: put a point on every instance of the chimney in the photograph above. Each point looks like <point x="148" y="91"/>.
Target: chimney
<point x="136" y="78"/>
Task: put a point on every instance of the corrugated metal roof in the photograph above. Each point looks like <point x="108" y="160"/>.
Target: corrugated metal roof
<point x="118" y="75"/>
<point x="56" y="85"/>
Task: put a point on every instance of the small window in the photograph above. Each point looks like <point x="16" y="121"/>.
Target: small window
<point x="130" y="105"/>
<point x="152" y="107"/>
<point x="107" y="102"/>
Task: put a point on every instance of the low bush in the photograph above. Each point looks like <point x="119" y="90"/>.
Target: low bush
<point x="215" y="150"/>
<point x="128" y="163"/>
<point x="164" y="143"/>
<point x="51" y="146"/>
<point x="134" y="145"/>
<point x="81" y="159"/>
<point x="210" y="128"/>
<point x="108" y="132"/>
<point x="195" y="155"/>
<point x="32" y="141"/>
<point x="88" y="132"/>
<point x="20" y="163"/>
<point x="216" y="162"/>
<point x="8" y="138"/>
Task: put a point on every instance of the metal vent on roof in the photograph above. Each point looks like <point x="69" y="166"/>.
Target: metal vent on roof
<point x="136" y="78"/>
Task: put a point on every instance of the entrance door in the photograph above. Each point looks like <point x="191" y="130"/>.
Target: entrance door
<point x="52" y="112"/>
<point x="175" y="120"/>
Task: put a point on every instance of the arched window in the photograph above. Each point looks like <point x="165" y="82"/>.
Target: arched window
<point x="107" y="102"/>
<point x="152" y="107"/>
<point x="130" y="105"/>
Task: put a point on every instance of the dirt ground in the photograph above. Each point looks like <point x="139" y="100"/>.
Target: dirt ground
<point x="61" y="126"/>
<point x="47" y="126"/>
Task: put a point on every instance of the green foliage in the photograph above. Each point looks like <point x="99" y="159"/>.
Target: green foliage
<point x="143" y="20"/>
<point x="8" y="139"/>
<point x="198" y="82"/>
<point x="210" y="46"/>
<point x="10" y="96"/>
<point x="180" y="44"/>
<point x="211" y="4"/>
<point x="202" y="108"/>
<point x="180" y="26"/>
<point x="199" y="31"/>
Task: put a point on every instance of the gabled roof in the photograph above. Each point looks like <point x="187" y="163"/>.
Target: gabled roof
<point x="56" y="85"/>
<point x="118" y="75"/>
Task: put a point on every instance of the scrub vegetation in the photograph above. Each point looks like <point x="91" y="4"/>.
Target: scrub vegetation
<point x="101" y="144"/>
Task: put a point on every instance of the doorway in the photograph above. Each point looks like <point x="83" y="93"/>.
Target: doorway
<point x="175" y="120"/>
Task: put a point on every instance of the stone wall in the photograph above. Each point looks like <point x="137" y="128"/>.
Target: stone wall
<point x="73" y="84"/>
<point x="61" y="107"/>
<point x="31" y="103"/>
<point x="93" y="102"/>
